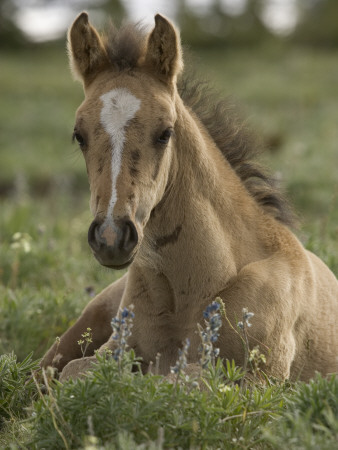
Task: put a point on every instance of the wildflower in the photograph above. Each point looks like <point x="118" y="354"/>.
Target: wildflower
<point x="209" y="335"/>
<point x="221" y="306"/>
<point x="246" y="317"/>
<point x="243" y="325"/>
<point x="21" y="242"/>
<point x="181" y="363"/>
<point x="224" y="388"/>
<point x="256" y="358"/>
<point x="122" y="325"/>
<point x="210" y="309"/>
<point x="87" y="338"/>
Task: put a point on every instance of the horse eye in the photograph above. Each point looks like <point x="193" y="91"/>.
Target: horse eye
<point x="165" y="136"/>
<point x="78" y="138"/>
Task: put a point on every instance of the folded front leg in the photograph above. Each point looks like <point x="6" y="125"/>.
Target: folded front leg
<point x="97" y="316"/>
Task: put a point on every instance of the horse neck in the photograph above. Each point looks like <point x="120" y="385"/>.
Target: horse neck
<point x="207" y="226"/>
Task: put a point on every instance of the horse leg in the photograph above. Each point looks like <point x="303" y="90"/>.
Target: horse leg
<point x="97" y="315"/>
<point x="273" y="300"/>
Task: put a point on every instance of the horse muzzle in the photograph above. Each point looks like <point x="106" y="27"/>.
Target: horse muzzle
<point x="113" y="244"/>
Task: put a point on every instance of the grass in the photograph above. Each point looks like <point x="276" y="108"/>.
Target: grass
<point x="38" y="103"/>
<point x="115" y="408"/>
<point x="47" y="274"/>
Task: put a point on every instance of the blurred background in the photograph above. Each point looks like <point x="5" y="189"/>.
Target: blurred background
<point x="277" y="59"/>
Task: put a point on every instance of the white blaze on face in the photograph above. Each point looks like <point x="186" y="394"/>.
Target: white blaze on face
<point x="119" y="107"/>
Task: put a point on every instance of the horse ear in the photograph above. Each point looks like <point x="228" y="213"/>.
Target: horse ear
<point x="87" y="54"/>
<point x="164" y="52"/>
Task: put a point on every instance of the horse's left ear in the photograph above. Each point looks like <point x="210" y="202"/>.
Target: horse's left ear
<point x="164" y="52"/>
<point x="87" y="54"/>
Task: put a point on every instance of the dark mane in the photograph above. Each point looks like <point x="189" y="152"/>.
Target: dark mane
<point x="237" y="145"/>
<point x="125" y="46"/>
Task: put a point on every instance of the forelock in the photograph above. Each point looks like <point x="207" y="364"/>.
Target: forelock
<point x="127" y="45"/>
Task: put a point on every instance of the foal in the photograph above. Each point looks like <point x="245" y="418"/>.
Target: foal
<point x="176" y="199"/>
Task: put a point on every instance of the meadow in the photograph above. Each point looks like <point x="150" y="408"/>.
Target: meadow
<point x="47" y="274"/>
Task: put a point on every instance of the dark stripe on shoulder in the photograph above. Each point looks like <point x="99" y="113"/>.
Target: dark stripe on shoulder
<point x="169" y="238"/>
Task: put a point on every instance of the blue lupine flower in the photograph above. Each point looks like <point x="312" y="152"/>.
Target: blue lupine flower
<point x="210" y="309"/>
<point x="210" y="335"/>
<point x="122" y="325"/>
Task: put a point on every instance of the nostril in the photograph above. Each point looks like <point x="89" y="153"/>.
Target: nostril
<point x="133" y="236"/>
<point x="130" y="236"/>
<point x="93" y="235"/>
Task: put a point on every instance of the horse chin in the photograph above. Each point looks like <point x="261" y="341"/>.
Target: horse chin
<point x="118" y="267"/>
<point x="114" y="265"/>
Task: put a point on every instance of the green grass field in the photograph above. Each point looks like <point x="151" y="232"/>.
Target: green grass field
<point x="47" y="273"/>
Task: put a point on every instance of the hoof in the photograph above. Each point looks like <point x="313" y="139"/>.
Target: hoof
<point x="77" y="368"/>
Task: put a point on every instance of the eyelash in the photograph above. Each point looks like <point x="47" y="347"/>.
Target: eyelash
<point x="165" y="136"/>
<point x="78" y="138"/>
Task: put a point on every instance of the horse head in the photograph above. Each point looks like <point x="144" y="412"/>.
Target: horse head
<point x="125" y="129"/>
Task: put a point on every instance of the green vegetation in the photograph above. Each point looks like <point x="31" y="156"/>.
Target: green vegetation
<point x="144" y="407"/>
<point x="16" y="386"/>
<point x="47" y="274"/>
<point x="115" y="408"/>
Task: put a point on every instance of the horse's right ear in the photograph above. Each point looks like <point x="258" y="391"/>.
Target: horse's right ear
<point x="87" y="54"/>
